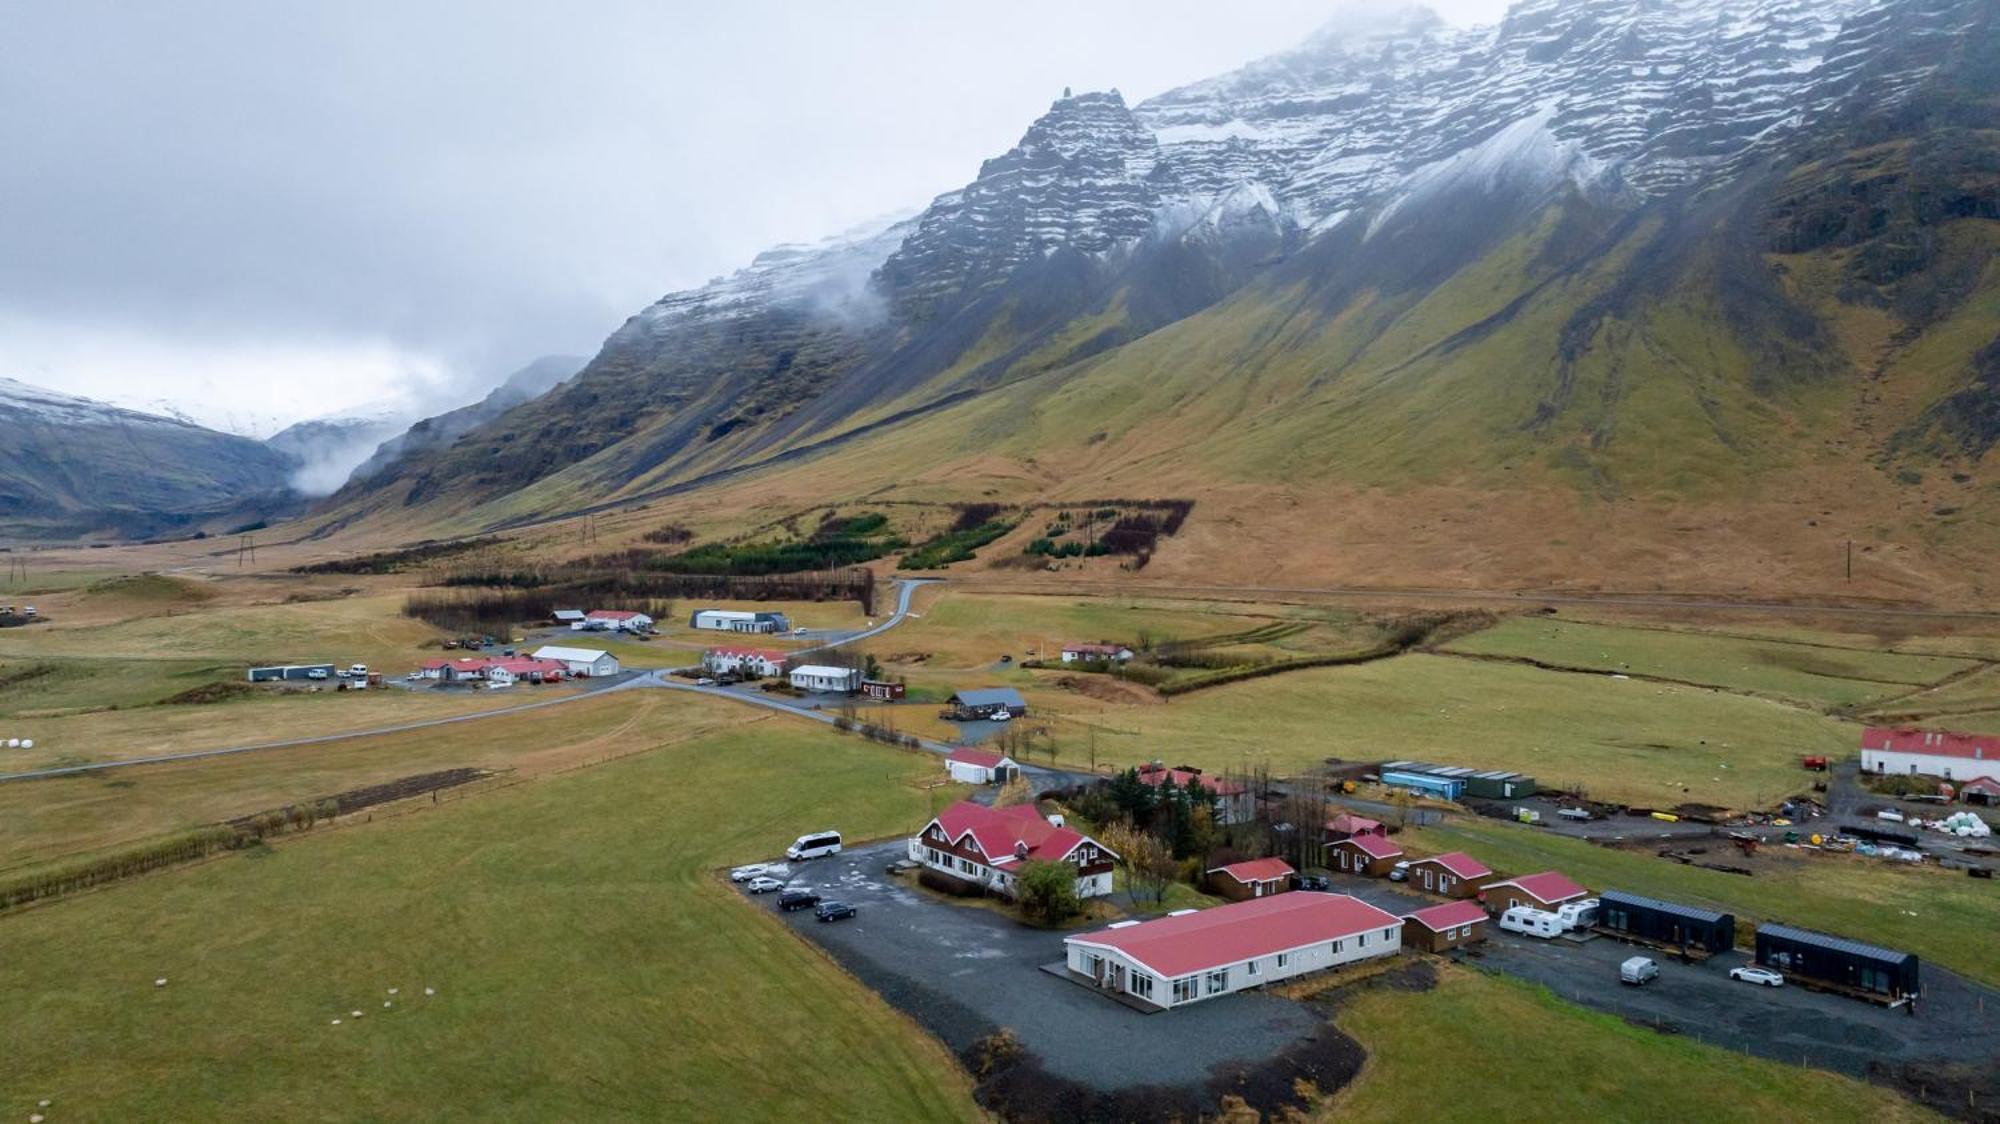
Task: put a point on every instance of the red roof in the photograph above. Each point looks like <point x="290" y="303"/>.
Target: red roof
<point x="769" y="655"/>
<point x="1257" y="870"/>
<point x="1987" y="785"/>
<point x="1001" y="833"/>
<point x="1932" y="743"/>
<point x="1459" y="863"/>
<point x="463" y="663"/>
<point x="1450" y="915"/>
<point x="612" y="615"/>
<point x="985" y="759"/>
<point x="1375" y="846"/>
<point x="1231" y="934"/>
<point x="1550" y="886"/>
<point x="1181" y="777"/>
<point x="1354" y="825"/>
<point x="528" y="665"/>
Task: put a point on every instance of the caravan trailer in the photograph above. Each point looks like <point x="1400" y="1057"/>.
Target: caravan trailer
<point x="1531" y="922"/>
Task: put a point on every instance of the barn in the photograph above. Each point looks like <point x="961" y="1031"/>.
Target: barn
<point x="1681" y="927"/>
<point x="1194" y="955"/>
<point x="582" y="662"/>
<point x="1842" y="963"/>
<point x="730" y="620"/>
<point x="1544" y="891"/>
<point x="1371" y="856"/>
<point x="967" y="765"/>
<point x="1441" y="928"/>
<point x="1258" y="878"/>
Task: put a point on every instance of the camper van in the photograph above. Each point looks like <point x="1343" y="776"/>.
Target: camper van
<point x="818" y="845"/>
<point x="1577" y="916"/>
<point x="1532" y="923"/>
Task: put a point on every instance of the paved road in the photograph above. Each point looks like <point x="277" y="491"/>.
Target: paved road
<point x="906" y="589"/>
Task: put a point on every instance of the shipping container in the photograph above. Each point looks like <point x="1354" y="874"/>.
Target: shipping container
<point x="1838" y="961"/>
<point x="1666" y="923"/>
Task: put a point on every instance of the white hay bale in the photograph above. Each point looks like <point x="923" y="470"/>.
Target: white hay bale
<point x="336" y="1022"/>
<point x="13" y="743"/>
<point x="161" y="982"/>
<point x="430" y="991"/>
<point x="356" y="1014"/>
<point x="388" y="1003"/>
<point x="394" y="990"/>
<point x="27" y="743"/>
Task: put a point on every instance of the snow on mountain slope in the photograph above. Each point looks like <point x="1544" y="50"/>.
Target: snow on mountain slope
<point x="21" y="404"/>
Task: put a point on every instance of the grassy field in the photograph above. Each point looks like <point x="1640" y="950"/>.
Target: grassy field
<point x="43" y="821"/>
<point x="1569" y="1063"/>
<point x="586" y="962"/>
<point x="1622" y="740"/>
<point x="1944" y="917"/>
<point x="1807" y="674"/>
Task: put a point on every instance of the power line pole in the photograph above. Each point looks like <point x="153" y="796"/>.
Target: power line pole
<point x="1850" y="559"/>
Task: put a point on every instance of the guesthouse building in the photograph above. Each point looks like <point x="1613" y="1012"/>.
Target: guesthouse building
<point x="1545" y="891"/>
<point x="763" y="663"/>
<point x="1257" y="878"/>
<point x="1453" y="874"/>
<point x="1441" y="928"/>
<point x="975" y="848"/>
<point x="1371" y="856"/>
<point x="1096" y="653"/>
<point x="822" y="680"/>
<point x="1684" y="928"/>
<point x="730" y="620"/>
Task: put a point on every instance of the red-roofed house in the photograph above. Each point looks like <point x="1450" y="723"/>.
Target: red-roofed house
<point x="765" y="663"/>
<point x="1544" y="891"/>
<point x="1232" y="804"/>
<point x="615" y="620"/>
<point x="977" y="846"/>
<point x="515" y="669"/>
<point x="1454" y="874"/>
<point x="1928" y="753"/>
<point x="1186" y="957"/>
<point x="1096" y="653"/>
<point x="1258" y="878"/>
<point x="1980" y="790"/>
<point x="1440" y="928"/>
<point x="1372" y="856"/>
<point x="979" y="766"/>
<point x="1347" y="824"/>
<point x="462" y="670"/>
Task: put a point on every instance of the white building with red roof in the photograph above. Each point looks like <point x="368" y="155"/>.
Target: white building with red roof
<point x="1257" y="878"/>
<point x="1544" y="891"/>
<point x="463" y="669"/>
<point x="967" y="765"/>
<point x="1928" y="753"/>
<point x="765" y="663"/>
<point x="1096" y="653"/>
<point x="1187" y="957"/>
<point x="987" y="847"/>
<point x="517" y="669"/>
<point x="1232" y="799"/>
<point x="615" y="620"/>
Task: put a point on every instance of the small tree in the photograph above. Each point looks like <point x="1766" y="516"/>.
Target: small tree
<point x="1047" y="892"/>
<point x="1145" y="859"/>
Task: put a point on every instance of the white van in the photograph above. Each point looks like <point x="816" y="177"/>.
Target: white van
<point x="1532" y="923"/>
<point x="818" y="845"/>
<point x="1578" y="915"/>
<point x="1638" y="971"/>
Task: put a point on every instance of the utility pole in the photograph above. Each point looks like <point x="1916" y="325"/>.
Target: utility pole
<point x="1850" y="559"/>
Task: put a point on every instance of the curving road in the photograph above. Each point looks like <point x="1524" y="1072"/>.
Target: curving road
<point x="906" y="589"/>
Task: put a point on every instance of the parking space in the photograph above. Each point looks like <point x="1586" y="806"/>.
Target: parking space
<point x="964" y="971"/>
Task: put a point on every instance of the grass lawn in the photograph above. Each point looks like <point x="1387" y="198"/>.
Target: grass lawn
<point x="1946" y="918"/>
<point x="1477" y="1042"/>
<point x="1810" y="675"/>
<point x="53" y="686"/>
<point x="1621" y="740"/>
<point x="43" y="821"/>
<point x="587" y="964"/>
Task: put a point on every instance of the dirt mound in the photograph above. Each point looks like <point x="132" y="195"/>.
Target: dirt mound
<point x="208" y="693"/>
<point x="1104" y="688"/>
<point x="1963" y="1092"/>
<point x="158" y="589"/>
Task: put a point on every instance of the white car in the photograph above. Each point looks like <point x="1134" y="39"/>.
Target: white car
<point x="746" y="873"/>
<point x="1400" y="872"/>
<point x="764" y="885"/>
<point x="1762" y="977"/>
<point x="316" y="673"/>
<point x="413" y="677"/>
<point x="704" y="681"/>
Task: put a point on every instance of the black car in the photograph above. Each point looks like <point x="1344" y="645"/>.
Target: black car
<point x="797" y="899"/>
<point x="833" y="911"/>
<point x="1315" y="882"/>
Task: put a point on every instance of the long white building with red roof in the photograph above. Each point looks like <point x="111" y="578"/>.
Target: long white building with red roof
<point x="1929" y="753"/>
<point x="988" y="847"/>
<point x="1190" y="956"/>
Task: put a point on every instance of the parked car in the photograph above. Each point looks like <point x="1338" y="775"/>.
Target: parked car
<point x="746" y="873"/>
<point x="413" y="676"/>
<point x="1314" y="882"/>
<point x="1762" y="977"/>
<point x="797" y="899"/>
<point x="1638" y="971"/>
<point x="1400" y="872"/>
<point x="833" y="911"/>
<point x="764" y="884"/>
<point x="704" y="681"/>
<point x="1579" y="815"/>
<point x="1890" y="815"/>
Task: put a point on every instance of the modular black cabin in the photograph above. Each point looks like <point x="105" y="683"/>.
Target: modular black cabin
<point x="1836" y="960"/>
<point x="1666" y="923"/>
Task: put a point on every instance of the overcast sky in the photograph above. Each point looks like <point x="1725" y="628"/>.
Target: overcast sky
<point x="264" y="210"/>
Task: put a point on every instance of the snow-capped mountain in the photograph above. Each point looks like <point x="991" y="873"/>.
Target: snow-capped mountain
<point x="23" y="405"/>
<point x="325" y="451"/>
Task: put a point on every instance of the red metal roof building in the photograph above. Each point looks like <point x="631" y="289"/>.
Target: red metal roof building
<point x="987" y="847"/>
<point x="1441" y="928"/>
<point x="1454" y="874"/>
<point x="1201" y="954"/>
<point x="1232" y="798"/>
<point x="1544" y="891"/>
<point x="1346" y="824"/>
<point x="1928" y="753"/>
<point x="1369" y="855"/>
<point x="1257" y="878"/>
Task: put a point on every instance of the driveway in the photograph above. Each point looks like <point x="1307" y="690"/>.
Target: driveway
<point x="964" y="971"/>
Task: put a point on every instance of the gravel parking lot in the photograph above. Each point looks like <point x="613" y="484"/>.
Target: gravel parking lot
<point x="963" y="972"/>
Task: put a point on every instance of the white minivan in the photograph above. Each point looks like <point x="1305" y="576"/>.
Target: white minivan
<point x="1531" y="922"/>
<point x="818" y="845"/>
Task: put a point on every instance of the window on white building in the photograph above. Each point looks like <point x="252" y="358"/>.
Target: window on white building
<point x="1187" y="989"/>
<point x="1388" y="934"/>
<point x="1339" y="947"/>
<point x="1284" y="958"/>
<point x="1142" y="985"/>
<point x="1250" y="969"/>
<point x="1361" y="941"/>
<point x="1218" y="982"/>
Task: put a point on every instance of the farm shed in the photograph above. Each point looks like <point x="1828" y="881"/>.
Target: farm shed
<point x="1838" y="961"/>
<point x="1500" y="785"/>
<point x="1425" y="784"/>
<point x="1454" y="874"/>
<point x="1928" y="753"/>
<point x="729" y="620"/>
<point x="617" y="620"/>
<point x="1194" y="955"/>
<point x="580" y="661"/>
<point x="1544" y="891"/>
<point x="1441" y="928"/>
<point x="1258" y="878"/>
<point x="967" y="765"/>
<point x="1371" y="856"/>
<point x="978" y="705"/>
<point x="1665" y="923"/>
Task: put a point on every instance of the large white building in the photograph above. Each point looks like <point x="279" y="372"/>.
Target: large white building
<point x="730" y="620"/>
<point x="817" y="677"/>
<point x="1193" y="955"/>
<point x="1929" y="753"/>
<point x="987" y="847"/>
<point x="580" y="661"/>
<point x="765" y="662"/>
<point x="615" y="620"/>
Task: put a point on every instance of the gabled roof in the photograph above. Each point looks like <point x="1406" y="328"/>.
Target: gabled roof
<point x="1230" y="934"/>
<point x="983" y="758"/>
<point x="768" y="655"/>
<point x="992" y="696"/>
<point x="1931" y="743"/>
<point x="1098" y="649"/>
<point x="1374" y="846"/>
<point x="1181" y="777"/>
<point x="1450" y="915"/>
<point x="1257" y="870"/>
<point x="1353" y="824"/>
<point x="569" y="655"/>
<point x="1004" y="834"/>
<point x="463" y="663"/>
<point x="525" y="665"/>
<point x="1987" y="785"/>
<point x="1459" y="863"/>
<point x="614" y="615"/>
<point x="1550" y="886"/>
<point x="568" y="614"/>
